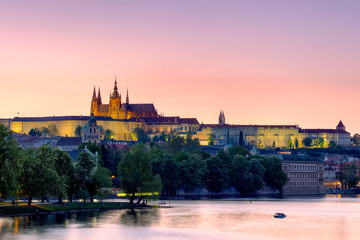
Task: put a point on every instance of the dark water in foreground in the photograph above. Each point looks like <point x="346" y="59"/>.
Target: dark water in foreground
<point x="327" y="218"/>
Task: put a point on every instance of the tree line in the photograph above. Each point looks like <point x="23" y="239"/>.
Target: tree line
<point x="163" y="167"/>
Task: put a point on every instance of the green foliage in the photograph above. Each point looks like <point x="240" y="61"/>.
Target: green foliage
<point x="51" y="130"/>
<point x="156" y="138"/>
<point x="40" y="177"/>
<point x="141" y="135"/>
<point x="332" y="145"/>
<point x="307" y="142"/>
<point x="83" y="176"/>
<point x="175" y="144"/>
<point x="78" y="131"/>
<point x="217" y="175"/>
<point x="351" y="177"/>
<point x="192" y="172"/>
<point x="290" y="144"/>
<point x="35" y="132"/>
<point x="135" y="172"/>
<point x="108" y="135"/>
<point x="238" y="150"/>
<point x="91" y="146"/>
<point x="162" y="137"/>
<point x="169" y="171"/>
<point x="274" y="175"/>
<point x="211" y="139"/>
<point x="356" y="139"/>
<point x="65" y="169"/>
<point x="296" y="143"/>
<point x="248" y="174"/>
<point x="11" y="160"/>
<point x="102" y="175"/>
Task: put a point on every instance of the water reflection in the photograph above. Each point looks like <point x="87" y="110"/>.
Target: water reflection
<point x="329" y="218"/>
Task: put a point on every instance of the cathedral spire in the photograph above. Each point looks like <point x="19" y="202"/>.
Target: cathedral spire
<point x="99" y="97"/>
<point x="127" y="96"/>
<point x="94" y="93"/>
<point x="115" y="93"/>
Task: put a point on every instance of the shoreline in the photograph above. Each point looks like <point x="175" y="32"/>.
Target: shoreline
<point x="46" y="209"/>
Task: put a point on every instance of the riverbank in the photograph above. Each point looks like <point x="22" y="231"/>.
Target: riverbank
<point x="8" y="210"/>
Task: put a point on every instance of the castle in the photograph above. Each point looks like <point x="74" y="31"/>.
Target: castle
<point x="118" y="110"/>
<point x="121" y="118"/>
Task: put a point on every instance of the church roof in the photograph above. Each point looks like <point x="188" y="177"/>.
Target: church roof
<point x="189" y="121"/>
<point x="340" y="124"/>
<point x="319" y="130"/>
<point x="141" y="107"/>
<point x="69" y="141"/>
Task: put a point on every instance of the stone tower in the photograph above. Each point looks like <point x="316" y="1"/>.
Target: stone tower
<point x="222" y="118"/>
<point x="340" y="126"/>
<point x="115" y="103"/>
<point x="94" y="104"/>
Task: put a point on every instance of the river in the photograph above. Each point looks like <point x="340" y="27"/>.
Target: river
<point x="324" y="218"/>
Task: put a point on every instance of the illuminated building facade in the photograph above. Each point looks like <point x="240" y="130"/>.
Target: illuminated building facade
<point x="116" y="109"/>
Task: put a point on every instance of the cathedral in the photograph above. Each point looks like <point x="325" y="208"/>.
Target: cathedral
<point x="116" y="109"/>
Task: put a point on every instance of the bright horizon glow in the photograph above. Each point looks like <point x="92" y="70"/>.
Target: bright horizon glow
<point x="261" y="61"/>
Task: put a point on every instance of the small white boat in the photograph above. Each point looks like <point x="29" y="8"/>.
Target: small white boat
<point x="162" y="203"/>
<point x="279" y="215"/>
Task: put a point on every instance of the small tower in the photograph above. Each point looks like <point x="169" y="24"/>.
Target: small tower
<point x="94" y="104"/>
<point x="340" y="126"/>
<point x="115" y="103"/>
<point x="127" y="96"/>
<point x="222" y="118"/>
<point x="99" y="97"/>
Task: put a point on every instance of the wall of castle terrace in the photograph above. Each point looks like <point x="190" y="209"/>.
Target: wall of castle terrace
<point x="66" y="125"/>
<point x="278" y="134"/>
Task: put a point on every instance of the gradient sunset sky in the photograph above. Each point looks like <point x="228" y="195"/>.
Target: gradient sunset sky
<point x="262" y="62"/>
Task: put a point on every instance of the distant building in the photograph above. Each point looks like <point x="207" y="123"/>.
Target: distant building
<point x="91" y="131"/>
<point x="69" y="143"/>
<point x="305" y="173"/>
<point x="116" y="109"/>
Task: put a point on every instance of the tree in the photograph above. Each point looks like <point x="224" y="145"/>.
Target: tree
<point x="290" y="144"/>
<point x="64" y="168"/>
<point x="35" y="132"/>
<point x="307" y="142"/>
<point x="217" y="176"/>
<point x="135" y="172"/>
<point x="175" y="144"/>
<point x="141" y="135"/>
<point x="274" y="175"/>
<point x="78" y="131"/>
<point x="332" y="145"/>
<point x="53" y="131"/>
<point x="321" y="142"/>
<point x="162" y="137"/>
<point x="192" y="172"/>
<point x="108" y="135"/>
<point x="11" y="161"/>
<point x="351" y="177"/>
<point x="238" y="150"/>
<point x="296" y="143"/>
<point x="211" y="139"/>
<point x="83" y="173"/>
<point x="274" y="144"/>
<point x="102" y="175"/>
<point x="356" y="139"/>
<point x="39" y="177"/>
<point x="169" y="171"/>
<point x="156" y="138"/>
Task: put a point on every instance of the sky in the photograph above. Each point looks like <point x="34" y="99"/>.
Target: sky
<point x="261" y="62"/>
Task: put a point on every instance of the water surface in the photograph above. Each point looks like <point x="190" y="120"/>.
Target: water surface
<point x="328" y="218"/>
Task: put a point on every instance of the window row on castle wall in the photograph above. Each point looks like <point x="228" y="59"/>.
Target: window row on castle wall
<point x="302" y="184"/>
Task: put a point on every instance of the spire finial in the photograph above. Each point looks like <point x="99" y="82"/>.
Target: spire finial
<point x="115" y="93"/>
<point x="94" y="93"/>
<point x="99" y="96"/>
<point x="127" y="96"/>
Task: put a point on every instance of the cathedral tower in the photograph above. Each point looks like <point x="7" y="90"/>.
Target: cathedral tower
<point x="94" y="104"/>
<point x="115" y="103"/>
<point x="222" y="118"/>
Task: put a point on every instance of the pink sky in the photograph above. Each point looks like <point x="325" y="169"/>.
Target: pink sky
<point x="262" y="62"/>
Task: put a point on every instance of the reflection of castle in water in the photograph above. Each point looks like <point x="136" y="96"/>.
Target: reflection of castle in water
<point x="123" y="117"/>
